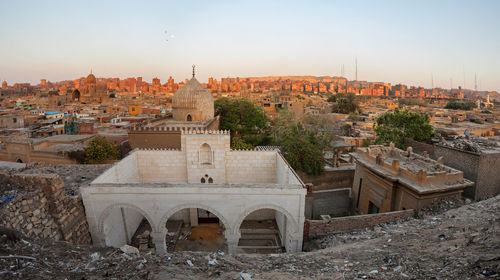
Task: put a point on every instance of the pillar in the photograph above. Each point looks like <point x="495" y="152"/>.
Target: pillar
<point x="98" y="239"/>
<point x="232" y="242"/>
<point x="159" y="241"/>
<point x="193" y="217"/>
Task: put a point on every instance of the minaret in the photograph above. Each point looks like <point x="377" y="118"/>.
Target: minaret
<point x="356" y="68"/>
<point x="193" y="69"/>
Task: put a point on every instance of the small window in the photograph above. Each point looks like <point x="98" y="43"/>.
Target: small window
<point x="189" y="118"/>
<point x="203" y="180"/>
<point x="210" y="180"/>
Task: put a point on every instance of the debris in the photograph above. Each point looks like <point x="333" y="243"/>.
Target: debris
<point x="127" y="249"/>
<point x="190" y="263"/>
<point x="245" y="276"/>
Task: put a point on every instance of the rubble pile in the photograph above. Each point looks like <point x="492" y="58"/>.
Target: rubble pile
<point x="471" y="143"/>
<point x="73" y="175"/>
<point x="461" y="243"/>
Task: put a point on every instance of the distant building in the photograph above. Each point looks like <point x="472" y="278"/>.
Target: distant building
<point x="389" y="179"/>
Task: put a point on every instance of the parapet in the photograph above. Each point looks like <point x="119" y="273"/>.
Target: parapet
<point x="200" y="131"/>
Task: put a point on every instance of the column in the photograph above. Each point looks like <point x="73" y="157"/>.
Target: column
<point x="232" y="242"/>
<point x="193" y="217"/>
<point x="159" y="241"/>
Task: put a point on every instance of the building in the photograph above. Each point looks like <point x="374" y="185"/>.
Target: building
<point x="389" y="179"/>
<point x="203" y="182"/>
<point x="479" y="159"/>
<point x="192" y="109"/>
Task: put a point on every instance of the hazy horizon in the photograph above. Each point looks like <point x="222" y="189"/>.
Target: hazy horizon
<point x="394" y="41"/>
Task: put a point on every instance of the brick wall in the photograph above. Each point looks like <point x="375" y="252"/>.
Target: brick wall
<point x="42" y="209"/>
<point x="317" y="228"/>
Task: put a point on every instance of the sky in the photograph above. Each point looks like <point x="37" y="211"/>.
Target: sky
<point x="400" y="41"/>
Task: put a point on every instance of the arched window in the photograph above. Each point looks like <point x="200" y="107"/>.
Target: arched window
<point x="203" y="180"/>
<point x="210" y="180"/>
<point x="189" y="118"/>
<point x="205" y="154"/>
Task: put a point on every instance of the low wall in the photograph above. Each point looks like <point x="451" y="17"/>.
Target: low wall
<point x="318" y="228"/>
<point x="41" y="209"/>
<point x="335" y="203"/>
<point x="330" y="179"/>
<point x="420" y="147"/>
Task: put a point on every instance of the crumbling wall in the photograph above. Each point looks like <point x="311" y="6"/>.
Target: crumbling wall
<point x="317" y="228"/>
<point x="420" y="147"/>
<point x="41" y="209"/>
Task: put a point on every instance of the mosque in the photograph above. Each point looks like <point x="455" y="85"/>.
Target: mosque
<point x="94" y="91"/>
<point x="192" y="109"/>
<point x="185" y="184"/>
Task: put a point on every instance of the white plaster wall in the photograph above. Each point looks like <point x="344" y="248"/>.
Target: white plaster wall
<point x="260" y="215"/>
<point x="124" y="171"/>
<point x="161" y="166"/>
<point x="113" y="229"/>
<point x="251" y="167"/>
<point x="280" y="221"/>
<point x="133" y="219"/>
<point x="284" y="174"/>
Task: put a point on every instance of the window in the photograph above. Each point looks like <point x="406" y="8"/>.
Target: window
<point x="207" y="179"/>
<point x="189" y="118"/>
<point x="205" y="154"/>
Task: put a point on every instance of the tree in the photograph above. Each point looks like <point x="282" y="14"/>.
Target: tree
<point x="99" y="150"/>
<point x="301" y="147"/>
<point x="345" y="103"/>
<point x="243" y="118"/>
<point x="397" y="125"/>
<point x="455" y="105"/>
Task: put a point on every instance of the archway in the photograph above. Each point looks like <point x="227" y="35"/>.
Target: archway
<point x="123" y="224"/>
<point x="195" y="229"/>
<point x="264" y="230"/>
<point x="19" y="160"/>
<point x="189" y="118"/>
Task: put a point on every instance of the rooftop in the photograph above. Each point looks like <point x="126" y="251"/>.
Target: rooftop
<point x="472" y="144"/>
<point x="417" y="172"/>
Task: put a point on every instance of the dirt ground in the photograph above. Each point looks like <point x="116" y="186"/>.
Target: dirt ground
<point x="461" y="243"/>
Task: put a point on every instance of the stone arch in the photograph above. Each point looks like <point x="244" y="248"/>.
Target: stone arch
<point x="163" y="221"/>
<point x="105" y="213"/>
<point x="205" y="154"/>
<point x="248" y="211"/>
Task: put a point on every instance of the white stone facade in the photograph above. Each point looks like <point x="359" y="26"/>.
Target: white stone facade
<point x="159" y="183"/>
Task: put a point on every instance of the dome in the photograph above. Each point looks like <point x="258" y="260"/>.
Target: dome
<point x="91" y="79"/>
<point x="192" y="102"/>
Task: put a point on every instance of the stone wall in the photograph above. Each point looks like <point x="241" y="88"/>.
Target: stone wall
<point x="338" y="178"/>
<point x="318" y="228"/>
<point x="41" y="208"/>
<point x="335" y="203"/>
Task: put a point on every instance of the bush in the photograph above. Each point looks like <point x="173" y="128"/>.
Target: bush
<point x="455" y="105"/>
<point x="99" y="150"/>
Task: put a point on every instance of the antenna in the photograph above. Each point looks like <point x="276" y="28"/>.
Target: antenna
<point x="193" y="69"/>
<point x="432" y="81"/>
<point x="342" y="70"/>
<point x="356" y="68"/>
<point x="464" y="77"/>
<point x="451" y="83"/>
<point x="475" y="82"/>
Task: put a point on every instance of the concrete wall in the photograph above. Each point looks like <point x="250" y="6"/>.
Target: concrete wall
<point x="284" y="173"/>
<point x="467" y="162"/>
<point x="334" y="202"/>
<point x="318" y="228"/>
<point x="488" y="177"/>
<point x="338" y="178"/>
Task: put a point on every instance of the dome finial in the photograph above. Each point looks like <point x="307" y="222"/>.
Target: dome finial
<point x="193" y="69"/>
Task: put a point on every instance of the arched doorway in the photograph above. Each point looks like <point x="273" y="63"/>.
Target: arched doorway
<point x="263" y="231"/>
<point x="195" y="229"/>
<point x="127" y="225"/>
<point x="19" y="160"/>
<point x="189" y="118"/>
